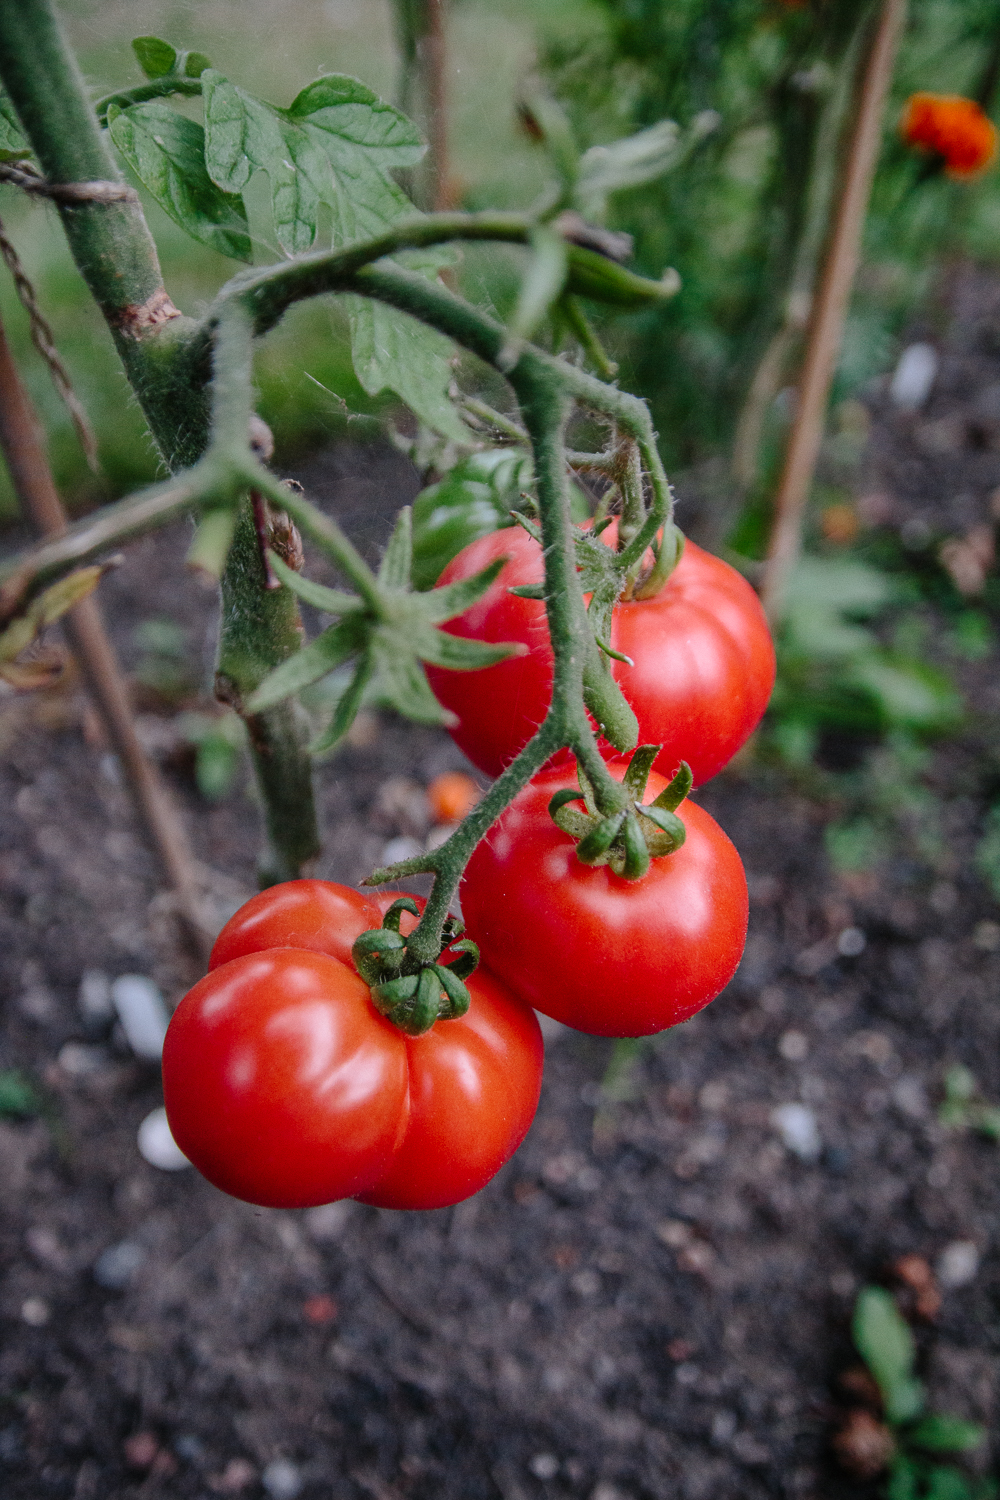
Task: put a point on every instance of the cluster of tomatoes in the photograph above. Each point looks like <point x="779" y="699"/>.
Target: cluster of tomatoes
<point x="284" y="1081"/>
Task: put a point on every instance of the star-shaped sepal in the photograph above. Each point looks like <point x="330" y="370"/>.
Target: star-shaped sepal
<point x="410" y="994"/>
<point x="625" y="840"/>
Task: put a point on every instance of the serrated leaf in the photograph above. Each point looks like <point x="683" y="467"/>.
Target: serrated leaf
<point x="884" y="1341"/>
<point x="167" y="153"/>
<point x="335" y="143"/>
<point x="13" y="146"/>
<point x="155" y="57"/>
<point x="392" y="351"/>
<point x="940" y="1433"/>
<point x="330" y="601"/>
<point x="314" y="661"/>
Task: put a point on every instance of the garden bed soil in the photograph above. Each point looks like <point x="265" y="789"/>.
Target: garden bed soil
<point x="651" y="1300"/>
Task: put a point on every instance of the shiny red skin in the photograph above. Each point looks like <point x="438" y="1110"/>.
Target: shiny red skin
<point x="430" y="1120"/>
<point x="474" y="1086"/>
<point x="314" y="914"/>
<point x="608" y="956"/>
<point x="282" y="1083"/>
<point x="702" y="651"/>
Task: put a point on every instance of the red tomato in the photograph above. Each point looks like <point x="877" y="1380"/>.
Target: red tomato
<point x="315" y="914"/>
<point x="282" y="1083"/>
<point x="704" y="660"/>
<point x="285" y="1086"/>
<point x="609" y="956"/>
<point x="474" y="1086"/>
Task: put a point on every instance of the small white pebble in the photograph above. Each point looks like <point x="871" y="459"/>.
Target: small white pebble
<point x="94" y="996"/>
<point x="958" y="1263"/>
<point x="723" y="1427"/>
<point x="401" y="848"/>
<point x="35" y="1311"/>
<point x="157" y="1145"/>
<point x="986" y="936"/>
<point x="329" y="1220"/>
<point x="851" y="942"/>
<point x="794" y="1046"/>
<point x="282" y="1479"/>
<point x="77" y="1059"/>
<point x="586" y="1283"/>
<point x="143" y="1014"/>
<point x="914" y="376"/>
<point x="607" y="1492"/>
<point x="115" y="1266"/>
<point x="544" y="1465"/>
<point x="796" y="1124"/>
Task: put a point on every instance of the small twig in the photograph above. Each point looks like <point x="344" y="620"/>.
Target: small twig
<point x="25" y="176"/>
<point x="831" y="309"/>
<point x="44" y="341"/>
<point x="24" y="449"/>
<point x="263" y="540"/>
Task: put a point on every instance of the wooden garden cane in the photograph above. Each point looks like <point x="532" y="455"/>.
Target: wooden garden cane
<point x="24" y="450"/>
<point x="830" y="311"/>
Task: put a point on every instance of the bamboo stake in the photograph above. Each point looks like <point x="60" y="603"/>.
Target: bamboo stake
<point x="830" y="312"/>
<point x="23" y="446"/>
<point x="437" y="119"/>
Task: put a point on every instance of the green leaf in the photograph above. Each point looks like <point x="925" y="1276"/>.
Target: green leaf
<point x="472" y="500"/>
<point x="453" y="599"/>
<point x="330" y="601"/>
<point x="911" y="694"/>
<point x="636" y="160"/>
<point x="322" y="655"/>
<point x="336" y="143"/>
<point x="195" y="63"/>
<point x="459" y="654"/>
<point x="395" y="352"/>
<point x="904" y="1477"/>
<point x="884" y="1341"/>
<point x="19" y="1099"/>
<point x="13" y="146"/>
<point x="347" y="709"/>
<point x="947" y="1484"/>
<point x="167" y="153"/>
<point x="939" y="1433"/>
<point x="402" y="686"/>
<point x="156" y="58"/>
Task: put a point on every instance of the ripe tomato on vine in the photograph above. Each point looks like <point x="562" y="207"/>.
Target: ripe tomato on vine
<point x="700" y="673"/>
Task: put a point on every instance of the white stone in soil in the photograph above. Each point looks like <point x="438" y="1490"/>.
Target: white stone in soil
<point x="157" y="1145"/>
<point x="143" y="1014"/>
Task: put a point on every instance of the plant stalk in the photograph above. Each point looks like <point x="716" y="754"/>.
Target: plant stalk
<point x="827" y="328"/>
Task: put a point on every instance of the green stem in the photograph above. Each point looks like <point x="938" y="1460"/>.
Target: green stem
<point x="114" y="252"/>
<point x="156" y="88"/>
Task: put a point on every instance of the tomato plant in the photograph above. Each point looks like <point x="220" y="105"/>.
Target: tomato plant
<point x="601" y="953"/>
<point x="701" y="663"/>
<point x="286" y="1087"/>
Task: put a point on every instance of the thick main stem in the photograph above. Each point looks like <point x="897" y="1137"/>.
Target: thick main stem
<point x="114" y="252"/>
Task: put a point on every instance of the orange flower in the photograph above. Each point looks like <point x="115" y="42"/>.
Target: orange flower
<point x="954" y="127"/>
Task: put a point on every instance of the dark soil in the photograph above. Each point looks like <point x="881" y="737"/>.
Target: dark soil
<point x="652" y="1300"/>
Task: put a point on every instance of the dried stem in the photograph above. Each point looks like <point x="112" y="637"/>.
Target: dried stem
<point x="830" y="311"/>
<point x="24" y="449"/>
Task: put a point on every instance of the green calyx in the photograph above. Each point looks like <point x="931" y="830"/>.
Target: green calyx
<point x="628" y="839"/>
<point x="410" y="994"/>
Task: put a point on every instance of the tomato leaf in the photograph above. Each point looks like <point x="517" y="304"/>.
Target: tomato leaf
<point x="885" y="1343"/>
<point x="473" y="499"/>
<point x="13" y="146"/>
<point x="156" y="58"/>
<point x="166" y="151"/>
<point x="323" y="655"/>
<point x="330" y="601"/>
<point x="940" y="1433"/>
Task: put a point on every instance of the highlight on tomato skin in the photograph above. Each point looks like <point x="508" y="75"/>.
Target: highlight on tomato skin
<point x="702" y="660"/>
<point x="282" y="1083"/>
<point x="606" y="955"/>
<point x="956" y="128"/>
